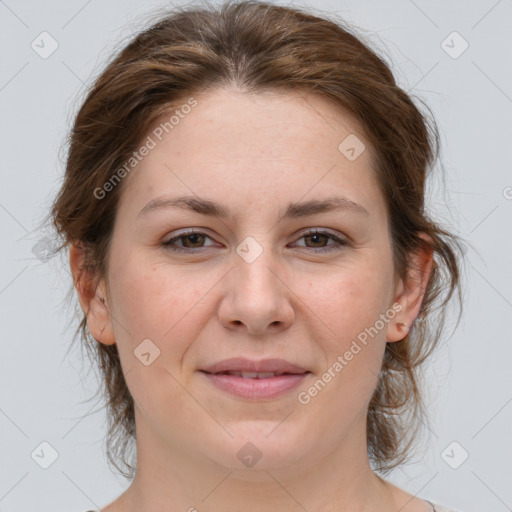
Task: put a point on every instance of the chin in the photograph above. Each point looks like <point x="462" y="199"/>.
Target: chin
<point x="258" y="447"/>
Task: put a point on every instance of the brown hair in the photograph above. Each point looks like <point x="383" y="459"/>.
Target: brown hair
<point x="256" y="47"/>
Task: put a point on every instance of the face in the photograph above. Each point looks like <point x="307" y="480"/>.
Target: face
<point x="268" y="280"/>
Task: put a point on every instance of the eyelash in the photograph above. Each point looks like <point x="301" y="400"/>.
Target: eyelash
<point x="340" y="243"/>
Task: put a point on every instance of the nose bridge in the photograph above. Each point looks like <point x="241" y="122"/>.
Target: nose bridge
<point x="254" y="261"/>
<point x="255" y="295"/>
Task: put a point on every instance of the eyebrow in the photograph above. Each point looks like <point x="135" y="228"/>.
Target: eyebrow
<point x="213" y="209"/>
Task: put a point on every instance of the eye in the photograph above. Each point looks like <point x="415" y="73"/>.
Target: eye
<point x="190" y="240"/>
<point x="318" y="239"/>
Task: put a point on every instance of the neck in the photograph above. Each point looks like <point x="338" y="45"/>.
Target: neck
<point x="170" y="478"/>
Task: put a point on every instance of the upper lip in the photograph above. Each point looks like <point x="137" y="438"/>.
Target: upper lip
<point x="247" y="365"/>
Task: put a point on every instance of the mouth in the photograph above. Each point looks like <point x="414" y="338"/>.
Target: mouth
<point x="255" y="380"/>
<point x="254" y="375"/>
<point x="241" y="365"/>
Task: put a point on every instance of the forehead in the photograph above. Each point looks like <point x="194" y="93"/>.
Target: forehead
<point x="253" y="148"/>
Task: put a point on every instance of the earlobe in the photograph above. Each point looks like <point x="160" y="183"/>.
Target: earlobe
<point x="410" y="293"/>
<point x="92" y="296"/>
<point x="99" y="319"/>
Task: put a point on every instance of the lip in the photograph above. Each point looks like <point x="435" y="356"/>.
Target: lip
<point x="247" y="365"/>
<point x="257" y="388"/>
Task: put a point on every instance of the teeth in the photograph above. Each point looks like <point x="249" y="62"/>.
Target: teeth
<point x="255" y="375"/>
<point x="252" y="375"/>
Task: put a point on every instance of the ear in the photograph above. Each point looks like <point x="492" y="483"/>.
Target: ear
<point x="92" y="296"/>
<point x="410" y="293"/>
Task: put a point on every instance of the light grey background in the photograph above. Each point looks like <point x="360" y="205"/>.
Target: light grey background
<point x="44" y="386"/>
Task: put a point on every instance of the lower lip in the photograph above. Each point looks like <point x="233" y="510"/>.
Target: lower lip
<point x="270" y="387"/>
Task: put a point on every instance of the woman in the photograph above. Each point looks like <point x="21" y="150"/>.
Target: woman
<point x="244" y="208"/>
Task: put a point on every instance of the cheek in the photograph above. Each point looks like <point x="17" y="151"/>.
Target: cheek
<point x="146" y="296"/>
<point x="350" y="301"/>
<point x="153" y="301"/>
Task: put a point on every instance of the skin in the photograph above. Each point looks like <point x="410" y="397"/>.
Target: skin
<point x="254" y="154"/>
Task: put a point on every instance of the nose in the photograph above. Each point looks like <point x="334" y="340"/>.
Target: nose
<point x="256" y="298"/>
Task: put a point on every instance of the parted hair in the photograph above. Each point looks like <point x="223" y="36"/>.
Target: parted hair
<point x="256" y="47"/>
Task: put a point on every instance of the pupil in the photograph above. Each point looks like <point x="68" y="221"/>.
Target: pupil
<point x="193" y="238"/>
<point x="315" y="237"/>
